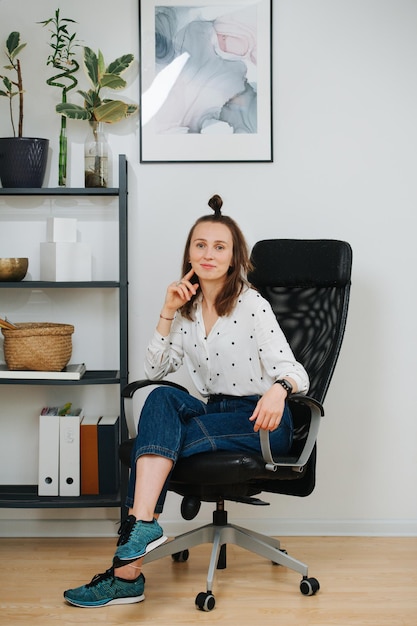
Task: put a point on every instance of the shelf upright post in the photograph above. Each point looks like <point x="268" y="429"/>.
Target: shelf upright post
<point x="123" y="312"/>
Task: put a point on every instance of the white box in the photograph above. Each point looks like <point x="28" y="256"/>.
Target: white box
<point x="59" y="229"/>
<point x="48" y="468"/>
<point x="62" y="261"/>
<point x="69" y="454"/>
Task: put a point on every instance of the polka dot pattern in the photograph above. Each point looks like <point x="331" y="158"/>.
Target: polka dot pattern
<point x="243" y="354"/>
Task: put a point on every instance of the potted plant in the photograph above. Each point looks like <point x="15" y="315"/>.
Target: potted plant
<point x="22" y="159"/>
<point x="99" y="110"/>
<point x="62" y="43"/>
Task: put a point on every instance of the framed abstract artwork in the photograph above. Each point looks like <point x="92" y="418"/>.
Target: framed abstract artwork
<point x="205" y="80"/>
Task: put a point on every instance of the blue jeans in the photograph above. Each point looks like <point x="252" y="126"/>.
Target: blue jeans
<point x="175" y="424"/>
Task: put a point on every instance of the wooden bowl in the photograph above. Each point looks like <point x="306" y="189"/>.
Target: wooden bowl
<point x="13" y="269"/>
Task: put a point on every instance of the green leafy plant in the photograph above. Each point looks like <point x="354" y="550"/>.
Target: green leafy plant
<point x="96" y="107"/>
<point x="62" y="43"/>
<point x="14" y="88"/>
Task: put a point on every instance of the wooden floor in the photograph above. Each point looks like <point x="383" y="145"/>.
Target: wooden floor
<point x="364" y="581"/>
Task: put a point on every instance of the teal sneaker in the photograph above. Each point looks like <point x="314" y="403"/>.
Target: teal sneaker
<point x="137" y="538"/>
<point x="106" y="589"/>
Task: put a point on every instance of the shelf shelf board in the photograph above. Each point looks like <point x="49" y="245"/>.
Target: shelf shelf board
<point x="43" y="284"/>
<point x="26" y="497"/>
<point x="91" y="377"/>
<point x="59" y="191"/>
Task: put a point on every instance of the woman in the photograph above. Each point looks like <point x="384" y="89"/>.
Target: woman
<point x="240" y="362"/>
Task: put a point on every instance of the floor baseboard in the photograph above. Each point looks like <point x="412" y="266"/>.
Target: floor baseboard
<point x="309" y="528"/>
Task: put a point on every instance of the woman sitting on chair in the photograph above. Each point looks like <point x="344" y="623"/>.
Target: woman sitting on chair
<point x="239" y="361"/>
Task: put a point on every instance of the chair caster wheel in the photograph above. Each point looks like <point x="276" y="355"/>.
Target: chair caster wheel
<point x="309" y="586"/>
<point x="205" y="601"/>
<point x="181" y="557"/>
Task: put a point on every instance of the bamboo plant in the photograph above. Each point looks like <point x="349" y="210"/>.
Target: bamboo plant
<point x="62" y="43"/>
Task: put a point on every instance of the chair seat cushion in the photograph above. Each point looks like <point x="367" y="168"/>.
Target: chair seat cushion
<point x="218" y="468"/>
<point x="222" y="469"/>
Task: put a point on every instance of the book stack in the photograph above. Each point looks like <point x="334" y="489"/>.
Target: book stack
<point x="73" y="371"/>
<point x="78" y="454"/>
<point x="99" y="455"/>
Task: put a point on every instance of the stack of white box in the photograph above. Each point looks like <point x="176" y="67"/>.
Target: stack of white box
<point x="62" y="257"/>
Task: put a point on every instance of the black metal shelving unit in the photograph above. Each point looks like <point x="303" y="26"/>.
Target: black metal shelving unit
<point x="26" y="496"/>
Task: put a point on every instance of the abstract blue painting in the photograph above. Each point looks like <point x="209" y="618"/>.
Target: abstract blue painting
<point x="206" y="80"/>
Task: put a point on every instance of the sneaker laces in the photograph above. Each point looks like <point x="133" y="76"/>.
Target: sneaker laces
<point x="98" y="578"/>
<point x="125" y="529"/>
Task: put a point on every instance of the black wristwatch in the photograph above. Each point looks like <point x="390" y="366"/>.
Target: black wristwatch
<point x="287" y="385"/>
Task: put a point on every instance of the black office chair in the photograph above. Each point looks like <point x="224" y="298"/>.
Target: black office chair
<point x="307" y="283"/>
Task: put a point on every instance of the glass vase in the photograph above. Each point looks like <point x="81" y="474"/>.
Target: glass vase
<point x="96" y="157"/>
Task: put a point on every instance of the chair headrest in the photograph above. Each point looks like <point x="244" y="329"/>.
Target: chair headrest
<point x="301" y="263"/>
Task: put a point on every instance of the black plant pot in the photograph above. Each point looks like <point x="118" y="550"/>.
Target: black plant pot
<point x="23" y="161"/>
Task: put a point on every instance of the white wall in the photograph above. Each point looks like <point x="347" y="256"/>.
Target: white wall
<point x="345" y="137"/>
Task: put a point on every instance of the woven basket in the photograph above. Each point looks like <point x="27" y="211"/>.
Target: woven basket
<point x="38" y="346"/>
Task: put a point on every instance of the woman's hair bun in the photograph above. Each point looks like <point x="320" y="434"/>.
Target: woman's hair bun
<point x="216" y="204"/>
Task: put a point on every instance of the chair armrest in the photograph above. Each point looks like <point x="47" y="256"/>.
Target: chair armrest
<point x="317" y="412"/>
<point x="129" y="391"/>
<point x="131" y="388"/>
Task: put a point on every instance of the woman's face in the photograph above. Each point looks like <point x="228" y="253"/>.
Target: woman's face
<point x="211" y="251"/>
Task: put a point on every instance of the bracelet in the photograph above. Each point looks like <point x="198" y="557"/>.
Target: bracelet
<point x="169" y="319"/>
<point x="286" y="385"/>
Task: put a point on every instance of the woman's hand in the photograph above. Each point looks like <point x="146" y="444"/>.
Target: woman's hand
<point x="269" y="410"/>
<point x="177" y="294"/>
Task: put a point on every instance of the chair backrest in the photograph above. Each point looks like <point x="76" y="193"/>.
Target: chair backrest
<point x="307" y="283"/>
